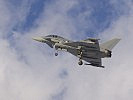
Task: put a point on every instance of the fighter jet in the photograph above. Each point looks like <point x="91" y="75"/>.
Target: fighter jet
<point x="88" y="50"/>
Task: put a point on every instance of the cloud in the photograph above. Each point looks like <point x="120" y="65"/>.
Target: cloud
<point x="13" y="15"/>
<point x="4" y="19"/>
<point x="29" y="70"/>
<point x="118" y="84"/>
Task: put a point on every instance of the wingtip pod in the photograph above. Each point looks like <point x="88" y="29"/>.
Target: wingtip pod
<point x="109" y="45"/>
<point x="95" y="65"/>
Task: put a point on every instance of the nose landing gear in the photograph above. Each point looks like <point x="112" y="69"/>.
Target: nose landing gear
<point x="56" y="54"/>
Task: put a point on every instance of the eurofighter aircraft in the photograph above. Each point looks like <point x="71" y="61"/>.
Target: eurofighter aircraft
<point x="88" y="50"/>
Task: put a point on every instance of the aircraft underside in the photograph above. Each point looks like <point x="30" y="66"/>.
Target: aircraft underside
<point x="88" y="50"/>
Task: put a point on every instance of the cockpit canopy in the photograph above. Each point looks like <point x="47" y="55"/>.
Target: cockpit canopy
<point x="55" y="36"/>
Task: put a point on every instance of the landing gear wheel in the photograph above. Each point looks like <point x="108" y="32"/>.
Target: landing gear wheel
<point x="80" y="62"/>
<point x="56" y="54"/>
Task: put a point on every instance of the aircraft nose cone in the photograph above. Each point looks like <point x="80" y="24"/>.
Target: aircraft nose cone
<point x="38" y="39"/>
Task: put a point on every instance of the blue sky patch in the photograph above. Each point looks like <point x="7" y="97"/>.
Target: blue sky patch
<point x="101" y="16"/>
<point x="16" y="3"/>
<point x="35" y="11"/>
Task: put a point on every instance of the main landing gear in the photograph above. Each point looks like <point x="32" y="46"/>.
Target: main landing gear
<point x="80" y="62"/>
<point x="80" y="56"/>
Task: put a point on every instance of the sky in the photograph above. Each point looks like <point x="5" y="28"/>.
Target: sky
<point x="30" y="71"/>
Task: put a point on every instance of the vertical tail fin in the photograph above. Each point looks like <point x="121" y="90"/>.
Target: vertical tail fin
<point x="109" y="44"/>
